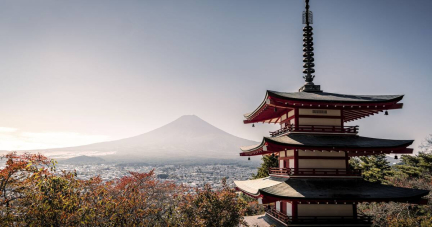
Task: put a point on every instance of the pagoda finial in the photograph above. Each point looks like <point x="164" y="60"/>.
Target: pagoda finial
<point x="308" y="53"/>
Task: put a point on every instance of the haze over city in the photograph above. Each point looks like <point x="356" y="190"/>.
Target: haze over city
<point x="81" y="72"/>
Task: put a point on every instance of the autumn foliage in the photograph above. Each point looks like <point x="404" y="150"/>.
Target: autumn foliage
<point x="34" y="193"/>
<point x="414" y="171"/>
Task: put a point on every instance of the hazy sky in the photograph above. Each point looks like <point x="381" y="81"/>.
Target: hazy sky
<point x="77" y="72"/>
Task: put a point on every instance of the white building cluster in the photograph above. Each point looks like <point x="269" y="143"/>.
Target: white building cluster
<point x="190" y="175"/>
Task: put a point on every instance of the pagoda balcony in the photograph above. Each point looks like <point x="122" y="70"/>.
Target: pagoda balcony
<point x="326" y="220"/>
<point x="314" y="172"/>
<point x="316" y="129"/>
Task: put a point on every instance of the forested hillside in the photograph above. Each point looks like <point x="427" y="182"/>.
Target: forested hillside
<point x="412" y="172"/>
<point x="34" y="193"/>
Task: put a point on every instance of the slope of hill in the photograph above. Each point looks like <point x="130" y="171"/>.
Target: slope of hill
<point x="83" y="159"/>
<point x="188" y="137"/>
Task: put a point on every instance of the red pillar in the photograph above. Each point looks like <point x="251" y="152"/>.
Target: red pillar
<point x="295" y="161"/>
<point x="283" y="207"/>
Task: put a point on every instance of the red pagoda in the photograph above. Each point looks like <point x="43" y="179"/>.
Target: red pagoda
<point x="314" y="184"/>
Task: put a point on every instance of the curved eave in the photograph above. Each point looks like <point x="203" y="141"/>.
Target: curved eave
<point x="274" y="105"/>
<point x="265" y="113"/>
<point x="313" y="189"/>
<point x="271" y="145"/>
<point x="331" y="141"/>
<point x="253" y="187"/>
<point x="418" y="199"/>
<point x="350" y="99"/>
<point x="258" y="195"/>
<point x="263" y="103"/>
<point x="253" y="150"/>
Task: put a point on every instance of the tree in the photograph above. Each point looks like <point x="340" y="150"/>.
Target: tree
<point x="16" y="181"/>
<point x="253" y="207"/>
<point x="374" y="168"/>
<point x="55" y="200"/>
<point x="401" y="214"/>
<point x="213" y="208"/>
<point x="426" y="146"/>
<point x="34" y="193"/>
<point x="269" y="161"/>
<point x="415" y="166"/>
<point x="414" y="171"/>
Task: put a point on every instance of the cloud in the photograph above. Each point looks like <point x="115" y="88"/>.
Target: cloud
<point x="7" y="129"/>
<point x="45" y="140"/>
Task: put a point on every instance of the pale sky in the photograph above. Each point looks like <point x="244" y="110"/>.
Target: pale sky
<point x="78" y="72"/>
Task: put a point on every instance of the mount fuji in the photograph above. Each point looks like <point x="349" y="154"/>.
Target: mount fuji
<point x="187" y="138"/>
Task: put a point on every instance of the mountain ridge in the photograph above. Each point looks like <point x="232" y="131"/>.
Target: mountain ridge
<point x="187" y="137"/>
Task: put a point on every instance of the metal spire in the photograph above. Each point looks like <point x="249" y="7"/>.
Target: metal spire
<point x="308" y="53"/>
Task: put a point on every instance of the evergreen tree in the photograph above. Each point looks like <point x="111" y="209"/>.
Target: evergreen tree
<point x="354" y="163"/>
<point x="375" y="168"/>
<point x="425" y="162"/>
<point x="414" y="166"/>
<point x="269" y="161"/>
<point x="414" y="171"/>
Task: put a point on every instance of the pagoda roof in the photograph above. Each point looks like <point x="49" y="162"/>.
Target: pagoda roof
<point x="353" y="143"/>
<point x="252" y="187"/>
<point x="354" y="106"/>
<point x="334" y="97"/>
<point x="341" y="189"/>
<point x="345" y="189"/>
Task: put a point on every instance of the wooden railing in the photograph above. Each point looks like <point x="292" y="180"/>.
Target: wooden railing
<point x="315" y="172"/>
<point x="279" y="215"/>
<point x="316" y="128"/>
<point x="359" y="219"/>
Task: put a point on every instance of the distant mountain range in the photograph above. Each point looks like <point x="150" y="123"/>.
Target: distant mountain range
<point x="187" y="138"/>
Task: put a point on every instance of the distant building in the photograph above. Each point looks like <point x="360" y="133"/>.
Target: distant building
<point x="314" y="184"/>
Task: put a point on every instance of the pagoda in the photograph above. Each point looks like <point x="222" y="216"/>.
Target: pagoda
<point x="314" y="184"/>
